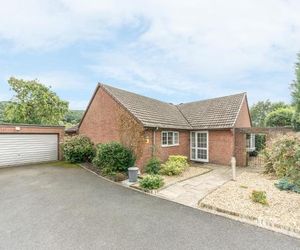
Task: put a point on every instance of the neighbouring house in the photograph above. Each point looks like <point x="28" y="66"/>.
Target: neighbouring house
<point x="204" y="131"/>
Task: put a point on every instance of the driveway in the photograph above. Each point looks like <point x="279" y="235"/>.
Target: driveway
<point x="47" y="207"/>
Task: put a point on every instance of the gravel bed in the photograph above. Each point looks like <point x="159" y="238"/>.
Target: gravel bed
<point x="283" y="209"/>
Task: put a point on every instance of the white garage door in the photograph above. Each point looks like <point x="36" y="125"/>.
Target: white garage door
<point x="19" y="149"/>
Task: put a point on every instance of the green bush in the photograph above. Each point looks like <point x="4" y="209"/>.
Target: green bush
<point x="259" y="197"/>
<point x="296" y="121"/>
<point x="286" y="184"/>
<point x="281" y="117"/>
<point x="282" y="157"/>
<point x="152" y="166"/>
<point x="113" y="157"/>
<point x="78" y="149"/>
<point x="175" y="165"/>
<point x="151" y="182"/>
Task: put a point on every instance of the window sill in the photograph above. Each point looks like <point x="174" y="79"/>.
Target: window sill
<point x="167" y="146"/>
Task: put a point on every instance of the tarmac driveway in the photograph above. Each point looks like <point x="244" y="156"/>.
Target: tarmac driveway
<point x="47" y="207"/>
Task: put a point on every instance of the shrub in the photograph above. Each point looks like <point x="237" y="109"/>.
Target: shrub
<point x="286" y="184"/>
<point x="175" y="165"/>
<point x="78" y="149"/>
<point x="259" y="197"/>
<point x="151" y="182"/>
<point x="152" y="166"/>
<point x="113" y="157"/>
<point x="282" y="157"/>
<point x="280" y="117"/>
<point x="296" y="121"/>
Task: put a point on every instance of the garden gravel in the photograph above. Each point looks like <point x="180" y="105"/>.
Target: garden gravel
<point x="282" y="211"/>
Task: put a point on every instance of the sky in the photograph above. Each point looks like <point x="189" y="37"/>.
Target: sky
<point x="174" y="51"/>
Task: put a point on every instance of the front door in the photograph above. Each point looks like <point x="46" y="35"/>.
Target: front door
<point x="199" y="146"/>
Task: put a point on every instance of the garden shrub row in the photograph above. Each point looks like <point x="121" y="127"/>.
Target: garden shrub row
<point x="111" y="158"/>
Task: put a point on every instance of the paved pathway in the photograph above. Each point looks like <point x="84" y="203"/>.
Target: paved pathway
<point x="190" y="191"/>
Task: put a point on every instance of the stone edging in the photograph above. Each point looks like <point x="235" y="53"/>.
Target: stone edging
<point x="252" y="220"/>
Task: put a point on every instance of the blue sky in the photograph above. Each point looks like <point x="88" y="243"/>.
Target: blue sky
<point x="175" y="51"/>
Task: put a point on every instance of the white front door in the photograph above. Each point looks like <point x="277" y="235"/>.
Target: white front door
<point x="199" y="146"/>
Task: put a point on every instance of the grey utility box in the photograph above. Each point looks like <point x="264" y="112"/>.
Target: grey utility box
<point x="133" y="174"/>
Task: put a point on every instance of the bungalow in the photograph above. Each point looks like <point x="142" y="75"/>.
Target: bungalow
<point x="204" y="131"/>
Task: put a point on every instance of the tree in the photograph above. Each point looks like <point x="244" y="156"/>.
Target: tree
<point x="73" y="116"/>
<point x="296" y="95"/>
<point x="296" y="85"/>
<point x="2" y="108"/>
<point x="261" y="109"/>
<point x="34" y="103"/>
<point x="281" y="117"/>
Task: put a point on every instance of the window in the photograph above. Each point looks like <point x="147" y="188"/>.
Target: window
<point x="250" y="141"/>
<point x="169" y="138"/>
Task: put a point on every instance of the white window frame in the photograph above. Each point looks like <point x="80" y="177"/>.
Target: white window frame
<point x="196" y="146"/>
<point x="251" y="143"/>
<point x="173" y="138"/>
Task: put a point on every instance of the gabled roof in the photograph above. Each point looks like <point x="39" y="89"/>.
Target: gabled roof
<point x="150" y="112"/>
<point x="216" y="113"/>
<point x="213" y="113"/>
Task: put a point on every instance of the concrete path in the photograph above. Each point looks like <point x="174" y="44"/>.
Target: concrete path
<point x="190" y="191"/>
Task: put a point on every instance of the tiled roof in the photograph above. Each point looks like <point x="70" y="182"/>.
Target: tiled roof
<point x="207" y="114"/>
<point x="151" y="112"/>
<point x="213" y="113"/>
<point x="72" y="129"/>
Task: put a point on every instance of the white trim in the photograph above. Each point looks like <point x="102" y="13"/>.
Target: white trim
<point x="169" y="145"/>
<point x="207" y="143"/>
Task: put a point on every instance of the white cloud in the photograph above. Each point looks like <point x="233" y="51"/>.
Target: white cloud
<point x="188" y="46"/>
<point x="58" y="80"/>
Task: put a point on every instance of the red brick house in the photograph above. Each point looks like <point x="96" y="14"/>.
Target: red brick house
<point x="204" y="131"/>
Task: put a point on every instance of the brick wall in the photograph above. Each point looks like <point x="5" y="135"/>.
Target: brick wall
<point x="243" y="119"/>
<point x="34" y="129"/>
<point x="220" y="146"/>
<point x="240" y="149"/>
<point x="102" y="123"/>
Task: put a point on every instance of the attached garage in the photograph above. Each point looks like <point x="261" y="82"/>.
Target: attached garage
<point x="27" y="144"/>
